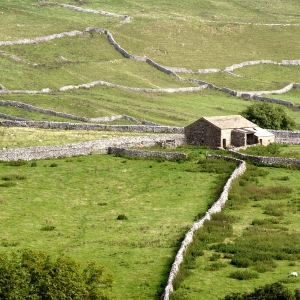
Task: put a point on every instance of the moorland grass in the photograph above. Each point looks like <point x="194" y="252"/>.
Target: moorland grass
<point x="61" y="209"/>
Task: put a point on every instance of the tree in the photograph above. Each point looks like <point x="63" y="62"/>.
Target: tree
<point x="35" y="275"/>
<point x="268" y="116"/>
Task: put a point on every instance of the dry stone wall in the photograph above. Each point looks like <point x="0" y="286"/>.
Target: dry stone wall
<point x="144" y="154"/>
<point x="216" y="207"/>
<point x="90" y="126"/>
<point x="267" y="160"/>
<point x="86" y="148"/>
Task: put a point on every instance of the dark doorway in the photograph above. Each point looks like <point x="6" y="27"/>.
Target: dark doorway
<point x="224" y="143"/>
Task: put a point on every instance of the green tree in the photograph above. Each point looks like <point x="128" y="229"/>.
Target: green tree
<point x="268" y="116"/>
<point x="35" y="275"/>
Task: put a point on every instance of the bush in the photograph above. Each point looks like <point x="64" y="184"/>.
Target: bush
<point x="275" y="291"/>
<point x="243" y="275"/>
<point x="16" y="163"/>
<point x="268" y="116"/>
<point x="29" y="274"/>
<point x="8" y="184"/>
<point x="240" y="261"/>
<point x="215" y="266"/>
<point x="53" y="165"/>
<point x="48" y="228"/>
<point x="122" y="217"/>
<point x="13" y="177"/>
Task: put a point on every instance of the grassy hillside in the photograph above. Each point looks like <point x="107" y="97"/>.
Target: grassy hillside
<point x="192" y="35"/>
<point x="82" y="196"/>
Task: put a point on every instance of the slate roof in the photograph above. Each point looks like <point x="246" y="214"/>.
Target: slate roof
<point x="230" y="122"/>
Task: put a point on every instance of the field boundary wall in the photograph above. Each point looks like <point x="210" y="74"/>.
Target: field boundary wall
<point x="91" y="126"/>
<point x="86" y="148"/>
<point x="267" y="159"/>
<point x="216" y="207"/>
<point x="144" y="154"/>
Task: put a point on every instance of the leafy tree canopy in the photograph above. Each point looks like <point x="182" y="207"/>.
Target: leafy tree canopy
<point x="268" y="116"/>
<point x="35" y="275"/>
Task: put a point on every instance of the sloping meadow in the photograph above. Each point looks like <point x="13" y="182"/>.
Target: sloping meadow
<point x="129" y="215"/>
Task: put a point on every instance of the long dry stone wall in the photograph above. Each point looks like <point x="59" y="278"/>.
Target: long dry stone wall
<point x="62" y="114"/>
<point x="90" y="126"/>
<point x="216" y="207"/>
<point x="144" y="154"/>
<point x="267" y="160"/>
<point x="85" y="148"/>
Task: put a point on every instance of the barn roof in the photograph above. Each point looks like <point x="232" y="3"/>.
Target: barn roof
<point x="230" y="122"/>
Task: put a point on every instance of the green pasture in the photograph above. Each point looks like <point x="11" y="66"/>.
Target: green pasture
<point x="71" y="206"/>
<point x="275" y="150"/>
<point x="14" y="137"/>
<point x="261" y="238"/>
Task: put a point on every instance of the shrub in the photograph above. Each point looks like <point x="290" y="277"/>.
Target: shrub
<point x="122" y="217"/>
<point x="48" y="228"/>
<point x="33" y="164"/>
<point x="243" y="275"/>
<point x="215" y="256"/>
<point x="29" y="274"/>
<point x="240" y="261"/>
<point x="8" y="184"/>
<point x="13" y="177"/>
<point x="16" y="163"/>
<point x="53" y="165"/>
<point x="274" y="291"/>
<point x="269" y="116"/>
<point x="215" y="266"/>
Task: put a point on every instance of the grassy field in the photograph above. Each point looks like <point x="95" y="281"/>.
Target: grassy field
<point x="193" y="35"/>
<point x="82" y="197"/>
<point x="260" y="237"/>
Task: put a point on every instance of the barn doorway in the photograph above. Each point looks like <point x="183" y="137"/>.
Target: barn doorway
<point x="224" y="143"/>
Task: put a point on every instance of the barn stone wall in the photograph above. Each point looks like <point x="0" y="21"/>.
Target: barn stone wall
<point x="286" y="136"/>
<point x="238" y="138"/>
<point x="202" y="132"/>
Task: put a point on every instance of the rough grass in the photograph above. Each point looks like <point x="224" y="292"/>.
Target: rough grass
<point x="194" y="35"/>
<point x="13" y="137"/>
<point x="73" y="208"/>
<point x="261" y="244"/>
<point x="276" y="150"/>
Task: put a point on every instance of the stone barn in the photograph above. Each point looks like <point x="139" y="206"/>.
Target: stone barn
<point x="226" y="131"/>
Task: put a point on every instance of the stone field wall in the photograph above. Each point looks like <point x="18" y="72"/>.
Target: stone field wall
<point x="144" y="154"/>
<point x="267" y="160"/>
<point x="216" y="207"/>
<point x="91" y="126"/>
<point x="85" y="148"/>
